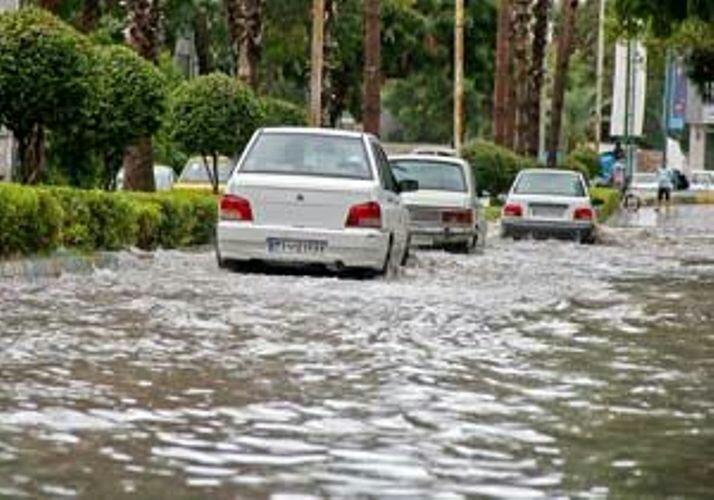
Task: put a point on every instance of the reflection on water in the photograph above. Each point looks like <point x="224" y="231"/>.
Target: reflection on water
<point x="537" y="369"/>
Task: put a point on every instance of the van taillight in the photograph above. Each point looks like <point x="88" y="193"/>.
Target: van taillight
<point x="513" y="210"/>
<point x="365" y="215"/>
<point x="584" y="213"/>
<point x="457" y="217"/>
<point x="235" y="208"/>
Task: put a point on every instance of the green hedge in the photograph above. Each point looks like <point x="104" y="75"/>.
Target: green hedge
<point x="37" y="220"/>
<point x="611" y="201"/>
<point x="495" y="167"/>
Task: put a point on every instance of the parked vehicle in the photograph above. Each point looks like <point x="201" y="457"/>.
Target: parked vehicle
<point x="445" y="211"/>
<point x="702" y="180"/>
<point x="549" y="203"/>
<point x="195" y="175"/>
<point x="164" y="178"/>
<point x="645" y="182"/>
<point x="314" y="196"/>
<point x="435" y="151"/>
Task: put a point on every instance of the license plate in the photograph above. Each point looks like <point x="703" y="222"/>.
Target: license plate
<point x="295" y="246"/>
<point x="548" y="212"/>
<point x="422" y="241"/>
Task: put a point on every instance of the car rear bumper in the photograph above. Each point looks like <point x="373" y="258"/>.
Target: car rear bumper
<point x="348" y="248"/>
<point x="547" y="228"/>
<point x="438" y="236"/>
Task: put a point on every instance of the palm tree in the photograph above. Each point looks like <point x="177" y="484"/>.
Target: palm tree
<point x="502" y="85"/>
<point x="143" y="35"/>
<point x="250" y="41"/>
<point x="565" y="43"/>
<point x="541" y="12"/>
<point x="372" y="67"/>
<point x="520" y="55"/>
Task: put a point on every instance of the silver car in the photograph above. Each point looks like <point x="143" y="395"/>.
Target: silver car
<point x="444" y="211"/>
<point x="549" y="203"/>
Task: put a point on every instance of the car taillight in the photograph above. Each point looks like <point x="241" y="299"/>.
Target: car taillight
<point x="584" y="213"/>
<point x="235" y="208"/>
<point x="458" y="217"/>
<point x="365" y="215"/>
<point x="513" y="210"/>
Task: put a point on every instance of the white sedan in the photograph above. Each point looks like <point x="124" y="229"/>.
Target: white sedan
<point x="445" y="211"/>
<point x="314" y="196"/>
<point x="549" y="203"/>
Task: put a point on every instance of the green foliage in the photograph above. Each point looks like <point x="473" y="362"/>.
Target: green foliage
<point x="37" y="220"/>
<point x="495" y="167"/>
<point x="588" y="158"/>
<point x="43" y="72"/>
<point x="611" y="201"/>
<point x="30" y="220"/>
<point x="277" y="112"/>
<point x="213" y="115"/>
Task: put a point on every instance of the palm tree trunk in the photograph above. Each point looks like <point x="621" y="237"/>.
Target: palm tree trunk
<point x="143" y="36"/>
<point x="540" y="42"/>
<point x="501" y="92"/>
<point x="232" y="13"/>
<point x="522" y="32"/>
<point x="565" y="43"/>
<point x="250" y="41"/>
<point x="91" y="11"/>
<point x="372" y="67"/>
<point x="203" y="42"/>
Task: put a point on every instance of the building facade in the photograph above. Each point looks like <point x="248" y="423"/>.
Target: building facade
<point x="700" y="117"/>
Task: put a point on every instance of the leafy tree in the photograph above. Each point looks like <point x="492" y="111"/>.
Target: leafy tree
<point x="213" y="115"/>
<point x="43" y="80"/>
<point x="277" y="112"/>
<point x="128" y="103"/>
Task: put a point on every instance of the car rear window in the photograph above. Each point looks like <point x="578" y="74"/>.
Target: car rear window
<point x="195" y="171"/>
<point x="308" y="154"/>
<point x="550" y="184"/>
<point x="431" y="175"/>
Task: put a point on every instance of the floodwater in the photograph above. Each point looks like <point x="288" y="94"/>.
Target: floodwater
<point x="539" y="369"/>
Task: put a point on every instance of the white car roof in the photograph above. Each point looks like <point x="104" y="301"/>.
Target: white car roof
<point x="549" y="171"/>
<point x="314" y="130"/>
<point x="454" y="160"/>
<point x="435" y="151"/>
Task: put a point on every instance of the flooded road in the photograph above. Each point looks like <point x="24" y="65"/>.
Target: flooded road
<point x="537" y="369"/>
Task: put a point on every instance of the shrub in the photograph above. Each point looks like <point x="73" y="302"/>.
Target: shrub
<point x="44" y="67"/>
<point x="41" y="219"/>
<point x="611" y="201"/>
<point x="277" y="112"/>
<point x="495" y="167"/>
<point x="587" y="160"/>
<point x="30" y="221"/>
<point x="213" y="115"/>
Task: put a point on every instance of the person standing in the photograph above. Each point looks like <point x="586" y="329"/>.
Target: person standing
<point x="665" y="184"/>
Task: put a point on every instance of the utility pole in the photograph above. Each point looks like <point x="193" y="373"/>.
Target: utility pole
<point x="600" y="72"/>
<point x="316" y="62"/>
<point x="372" y="67"/>
<point x="501" y="91"/>
<point x="459" y="77"/>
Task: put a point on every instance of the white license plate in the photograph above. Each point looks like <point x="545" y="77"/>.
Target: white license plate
<point x="550" y="213"/>
<point x="296" y="246"/>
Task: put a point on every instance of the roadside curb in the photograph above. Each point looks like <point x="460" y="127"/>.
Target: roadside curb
<point x="54" y="266"/>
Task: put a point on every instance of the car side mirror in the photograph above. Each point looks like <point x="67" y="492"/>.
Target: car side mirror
<point x="502" y="198"/>
<point x="597" y="202"/>
<point x="408" y="186"/>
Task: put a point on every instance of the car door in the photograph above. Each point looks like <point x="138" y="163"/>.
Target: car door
<point x="396" y="217"/>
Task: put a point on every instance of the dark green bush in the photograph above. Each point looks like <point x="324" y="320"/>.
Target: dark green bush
<point x="34" y="220"/>
<point x="495" y="167"/>
<point x="30" y="221"/>
<point x="587" y="160"/>
<point x="277" y="112"/>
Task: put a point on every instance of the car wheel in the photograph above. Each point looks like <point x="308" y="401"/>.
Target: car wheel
<point x="389" y="269"/>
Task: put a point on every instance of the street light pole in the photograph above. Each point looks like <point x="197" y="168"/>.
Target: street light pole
<point x="316" y="61"/>
<point x="459" y="76"/>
